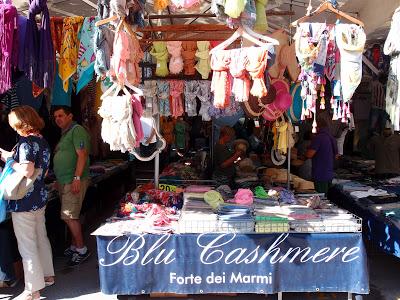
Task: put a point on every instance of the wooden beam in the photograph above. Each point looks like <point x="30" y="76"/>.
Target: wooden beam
<point x="186" y="28"/>
<point x="189" y="16"/>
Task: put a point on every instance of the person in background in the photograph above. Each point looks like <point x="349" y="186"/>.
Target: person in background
<point x="71" y="167"/>
<point x="8" y="255"/>
<point x="28" y="213"/>
<point x="225" y="157"/>
<point x="323" y="152"/>
<point x="386" y="151"/>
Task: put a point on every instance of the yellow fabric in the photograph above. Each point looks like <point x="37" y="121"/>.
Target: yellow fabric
<point x="203" y="56"/>
<point x="261" y="18"/>
<point x="69" y="49"/>
<point x="160" y="4"/>
<point x="281" y="138"/>
<point x="234" y="8"/>
<point x="160" y="53"/>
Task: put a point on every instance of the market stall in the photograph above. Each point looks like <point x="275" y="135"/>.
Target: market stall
<point x="376" y="201"/>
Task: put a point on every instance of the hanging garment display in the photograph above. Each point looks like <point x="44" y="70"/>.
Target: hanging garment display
<point x="136" y="55"/>
<point x="192" y="89"/>
<point x="137" y="113"/>
<point x="188" y="54"/>
<point x="283" y="136"/>
<point x="103" y="49"/>
<point x="241" y="80"/>
<point x="160" y="53"/>
<point x="118" y="62"/>
<point x="150" y="94"/>
<point x="160" y="4"/>
<point x="205" y="99"/>
<point x="117" y="128"/>
<point x="392" y="48"/>
<point x="56" y="26"/>
<point x="221" y="83"/>
<point x="176" y="91"/>
<point x="9" y="50"/>
<point x="244" y="12"/>
<point x="257" y="62"/>
<point x="163" y="92"/>
<point x="86" y="56"/>
<point x="261" y="19"/>
<point x="180" y="134"/>
<point x="203" y="57"/>
<point x="22" y="23"/>
<point x="176" y="60"/>
<point x="69" y="49"/>
<point x="350" y="40"/>
<point x="184" y="4"/>
<point x="39" y="51"/>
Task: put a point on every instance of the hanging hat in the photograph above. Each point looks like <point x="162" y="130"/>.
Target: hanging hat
<point x="295" y="109"/>
<point x="255" y="106"/>
<point x="241" y="144"/>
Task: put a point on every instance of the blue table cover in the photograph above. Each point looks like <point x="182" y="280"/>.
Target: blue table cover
<point x="232" y="263"/>
<point x="383" y="232"/>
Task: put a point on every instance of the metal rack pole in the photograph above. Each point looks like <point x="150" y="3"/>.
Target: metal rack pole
<point x="157" y="158"/>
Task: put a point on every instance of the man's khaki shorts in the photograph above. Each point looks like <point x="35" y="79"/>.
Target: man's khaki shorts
<point x="71" y="203"/>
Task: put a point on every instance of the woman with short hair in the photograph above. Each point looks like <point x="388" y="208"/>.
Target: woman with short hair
<point x="28" y="213"/>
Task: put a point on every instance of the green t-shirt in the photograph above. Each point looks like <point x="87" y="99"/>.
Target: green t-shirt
<point x="65" y="156"/>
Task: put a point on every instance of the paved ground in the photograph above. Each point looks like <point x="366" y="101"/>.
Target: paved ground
<point x="82" y="283"/>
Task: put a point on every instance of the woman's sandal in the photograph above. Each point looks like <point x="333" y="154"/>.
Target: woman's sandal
<point x="27" y="295"/>
<point x="49" y="281"/>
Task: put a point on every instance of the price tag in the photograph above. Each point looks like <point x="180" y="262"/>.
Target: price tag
<point x="296" y="129"/>
<point x="167" y="187"/>
<point x="257" y="123"/>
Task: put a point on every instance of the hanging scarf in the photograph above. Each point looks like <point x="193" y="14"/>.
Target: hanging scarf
<point x="103" y="49"/>
<point x="160" y="53"/>
<point x="205" y="99"/>
<point x="221" y="84"/>
<point x="69" y="49"/>
<point x="192" y="89"/>
<point x="203" y="56"/>
<point x="150" y="94"/>
<point x="261" y="19"/>
<point x="39" y="51"/>
<point x="176" y="60"/>
<point x="241" y="80"/>
<point x="176" y="90"/>
<point x="118" y="63"/>
<point x="257" y="62"/>
<point x="22" y="22"/>
<point x="86" y="56"/>
<point x="160" y="4"/>
<point x="136" y="56"/>
<point x="56" y="25"/>
<point x="350" y="40"/>
<point x="234" y="8"/>
<point x="8" y="44"/>
<point x="188" y="54"/>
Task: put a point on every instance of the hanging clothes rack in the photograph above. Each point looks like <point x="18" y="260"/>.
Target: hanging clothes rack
<point x="328" y="7"/>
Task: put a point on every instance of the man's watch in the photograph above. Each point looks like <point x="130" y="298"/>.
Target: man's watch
<point x="77" y="177"/>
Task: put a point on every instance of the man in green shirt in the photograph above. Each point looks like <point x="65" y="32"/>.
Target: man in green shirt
<point x="71" y="167"/>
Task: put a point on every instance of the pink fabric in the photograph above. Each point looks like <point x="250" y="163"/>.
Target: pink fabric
<point x="197" y="189"/>
<point x="256" y="67"/>
<point x="135" y="57"/>
<point x="179" y="4"/>
<point x="137" y="112"/>
<point x="118" y="64"/>
<point x="244" y="197"/>
<point x="220" y="84"/>
<point x="176" y="60"/>
<point x="241" y="80"/>
<point x="8" y="44"/>
<point x="176" y="90"/>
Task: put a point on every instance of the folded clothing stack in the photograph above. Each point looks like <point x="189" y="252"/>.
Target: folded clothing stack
<point x="271" y="224"/>
<point x="353" y="186"/>
<point x="236" y="218"/>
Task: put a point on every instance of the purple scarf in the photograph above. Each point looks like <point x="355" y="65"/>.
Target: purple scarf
<point x="8" y="44"/>
<point x="39" y="52"/>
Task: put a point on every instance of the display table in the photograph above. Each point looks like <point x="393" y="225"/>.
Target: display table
<point x="383" y="231"/>
<point x="135" y="264"/>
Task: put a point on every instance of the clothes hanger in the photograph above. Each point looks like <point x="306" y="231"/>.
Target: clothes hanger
<point x="266" y="38"/>
<point x="327" y="6"/>
<point x="240" y="32"/>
